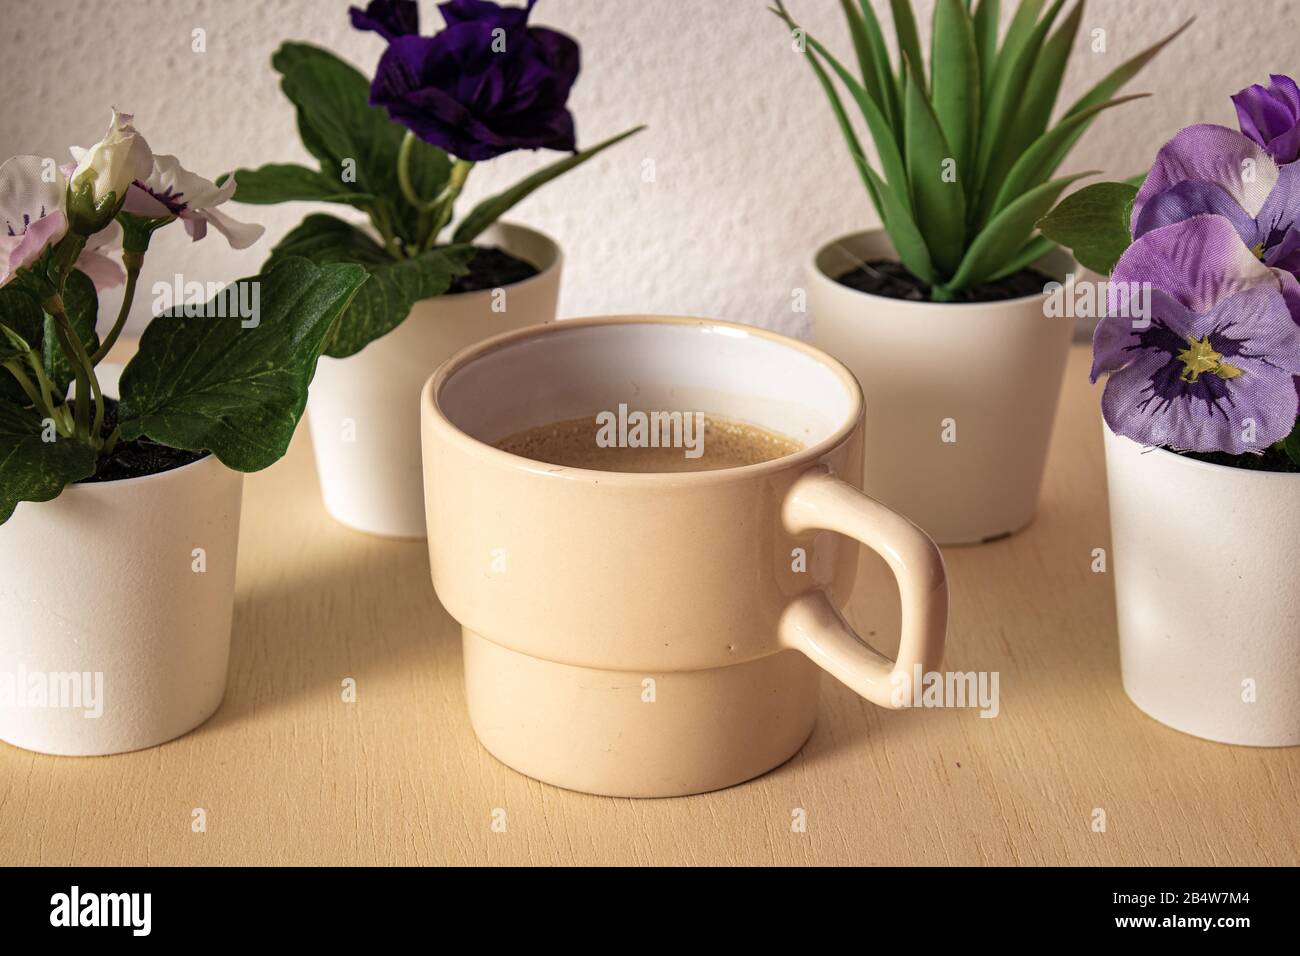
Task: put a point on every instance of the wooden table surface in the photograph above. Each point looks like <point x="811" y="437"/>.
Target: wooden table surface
<point x="286" y="772"/>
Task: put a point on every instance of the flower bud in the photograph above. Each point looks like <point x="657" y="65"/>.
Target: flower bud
<point x="99" y="183"/>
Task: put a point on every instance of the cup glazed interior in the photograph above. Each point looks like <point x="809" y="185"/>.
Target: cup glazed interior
<point x="573" y="370"/>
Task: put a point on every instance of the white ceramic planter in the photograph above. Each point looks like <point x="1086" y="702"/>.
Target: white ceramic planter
<point x="988" y="375"/>
<point x="364" y="411"/>
<point x="104" y="615"/>
<point x="1206" y="593"/>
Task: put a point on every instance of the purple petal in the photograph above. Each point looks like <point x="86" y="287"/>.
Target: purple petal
<point x="1217" y="155"/>
<point x="1196" y="197"/>
<point x="1151" y="400"/>
<point x="389" y="18"/>
<point x="1281" y="212"/>
<point x="1120" y="331"/>
<point x="1271" y="116"/>
<point x="1198" y="262"/>
<point x="467" y="11"/>
<point x="462" y="93"/>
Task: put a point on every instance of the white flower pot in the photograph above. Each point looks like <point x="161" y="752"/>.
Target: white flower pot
<point x="114" y="625"/>
<point x="1205" y="559"/>
<point x="960" y="398"/>
<point x="364" y="411"/>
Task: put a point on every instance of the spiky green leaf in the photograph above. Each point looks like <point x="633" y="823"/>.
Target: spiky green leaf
<point x="955" y="80"/>
<point x="1006" y="234"/>
<point x="1037" y="164"/>
<point x="936" y="189"/>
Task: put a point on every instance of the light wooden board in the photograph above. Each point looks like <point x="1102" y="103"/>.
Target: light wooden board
<point x="288" y="773"/>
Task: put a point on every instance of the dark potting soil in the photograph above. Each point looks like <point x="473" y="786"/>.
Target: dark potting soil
<point x="492" y="268"/>
<point x="1272" y="460"/>
<point x="138" y="458"/>
<point x="893" y="281"/>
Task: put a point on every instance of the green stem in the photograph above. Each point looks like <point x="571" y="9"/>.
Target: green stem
<point x="28" y="387"/>
<point x="404" y="174"/>
<point x="87" y="382"/>
<point x="446" y="201"/>
<point x="111" y="442"/>
<point x="379" y="217"/>
<point x="58" y="412"/>
<point x="133" y="262"/>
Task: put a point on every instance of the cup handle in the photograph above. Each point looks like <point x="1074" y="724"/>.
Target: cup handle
<point x="820" y="502"/>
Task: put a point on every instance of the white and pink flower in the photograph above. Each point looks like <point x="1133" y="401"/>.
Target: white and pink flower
<point x="172" y="190"/>
<point x="32" y="213"/>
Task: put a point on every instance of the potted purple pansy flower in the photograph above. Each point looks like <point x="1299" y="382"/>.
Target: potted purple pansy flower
<point x="400" y="148"/>
<point x="1201" y="349"/>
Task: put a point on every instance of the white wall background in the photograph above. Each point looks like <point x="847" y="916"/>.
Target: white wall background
<point x="750" y="168"/>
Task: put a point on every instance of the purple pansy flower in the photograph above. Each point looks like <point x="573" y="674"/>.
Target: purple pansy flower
<point x="1212" y="366"/>
<point x="1270" y="115"/>
<point x="1214" y="170"/>
<point x="388" y="18"/>
<point x="486" y="85"/>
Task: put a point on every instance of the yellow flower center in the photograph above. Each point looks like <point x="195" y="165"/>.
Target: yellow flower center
<point x="1259" y="251"/>
<point x="1199" y="358"/>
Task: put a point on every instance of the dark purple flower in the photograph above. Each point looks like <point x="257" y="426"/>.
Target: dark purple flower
<point x="1270" y="115"/>
<point x="1215" y="170"/>
<point x="389" y="18"/>
<point x="1211" y="366"/>
<point x="486" y="85"/>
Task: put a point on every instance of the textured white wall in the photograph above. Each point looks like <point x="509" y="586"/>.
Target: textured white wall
<point x="750" y="169"/>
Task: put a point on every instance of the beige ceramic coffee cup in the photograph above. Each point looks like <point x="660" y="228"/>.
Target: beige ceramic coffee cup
<point x="660" y="634"/>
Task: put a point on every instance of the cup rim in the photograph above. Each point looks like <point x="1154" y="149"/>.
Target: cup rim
<point x="429" y="399"/>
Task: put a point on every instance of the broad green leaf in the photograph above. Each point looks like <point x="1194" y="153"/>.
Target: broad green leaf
<point x="207" y="383"/>
<point x="323" y="238"/>
<point x="986" y="21"/>
<point x="903" y="232"/>
<point x="1039" y="98"/>
<point x="1041" y="160"/>
<point x="1029" y="253"/>
<point x="20" y="310"/>
<point x="338" y="125"/>
<point x="909" y="42"/>
<point x="887" y="146"/>
<point x="490" y="210"/>
<point x="1093" y="223"/>
<point x="955" y="82"/>
<point x="1291" y="445"/>
<point x="936" y="193"/>
<point x="385" y="301"/>
<point x="81" y="305"/>
<point x="292" y="55"/>
<point x="21" y="313"/>
<point x="873" y="57"/>
<point x="1115" y="80"/>
<point x="1003" y="106"/>
<point x="285" y="182"/>
<point x="998" y="243"/>
<point x="32" y="469"/>
<point x="334" y="99"/>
